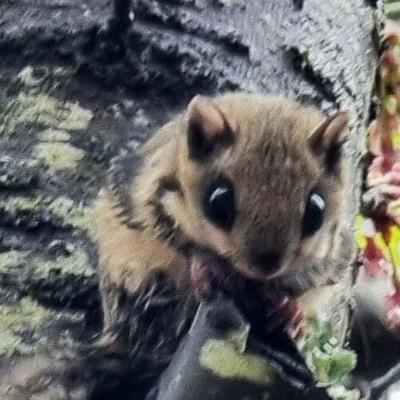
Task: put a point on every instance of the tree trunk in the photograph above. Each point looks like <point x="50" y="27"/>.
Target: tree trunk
<point x="54" y="154"/>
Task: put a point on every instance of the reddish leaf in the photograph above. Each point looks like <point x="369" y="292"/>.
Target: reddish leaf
<point x="393" y="304"/>
<point x="373" y="259"/>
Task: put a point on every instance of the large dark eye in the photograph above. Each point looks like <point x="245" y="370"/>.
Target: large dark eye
<point x="219" y="203"/>
<point x="314" y="214"/>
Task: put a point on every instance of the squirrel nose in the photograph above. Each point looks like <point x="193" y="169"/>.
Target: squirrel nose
<point x="266" y="262"/>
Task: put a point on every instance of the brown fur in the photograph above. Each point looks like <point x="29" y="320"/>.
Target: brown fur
<point x="273" y="165"/>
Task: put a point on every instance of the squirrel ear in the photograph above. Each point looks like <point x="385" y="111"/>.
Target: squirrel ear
<point x="327" y="138"/>
<point x="207" y="127"/>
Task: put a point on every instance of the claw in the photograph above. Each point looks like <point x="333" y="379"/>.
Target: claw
<point x="201" y="278"/>
<point x="286" y="315"/>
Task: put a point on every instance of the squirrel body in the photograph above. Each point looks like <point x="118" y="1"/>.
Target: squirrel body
<point x="244" y="191"/>
<point x="274" y="155"/>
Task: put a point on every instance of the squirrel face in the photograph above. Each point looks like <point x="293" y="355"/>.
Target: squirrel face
<point x="262" y="181"/>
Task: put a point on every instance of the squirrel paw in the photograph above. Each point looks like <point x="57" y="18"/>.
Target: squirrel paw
<point x="287" y="316"/>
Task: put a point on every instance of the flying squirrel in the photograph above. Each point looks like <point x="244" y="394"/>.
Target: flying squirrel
<point x="240" y="191"/>
<point x="256" y="182"/>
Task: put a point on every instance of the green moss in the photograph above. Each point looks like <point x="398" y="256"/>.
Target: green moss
<point x="11" y="343"/>
<point x="62" y="72"/>
<point x="16" y="319"/>
<point x="27" y="77"/>
<point x="224" y="360"/>
<point x="54" y="135"/>
<point x="54" y="149"/>
<point x="392" y="9"/>
<point x="77" y="263"/>
<point x="22" y="203"/>
<point x="41" y="108"/>
<point x="29" y="107"/>
<point x="12" y="258"/>
<point x="77" y="118"/>
<point x="80" y="217"/>
<point x="330" y="363"/>
<point x="32" y="106"/>
<point x="58" y="156"/>
<point x="320" y="333"/>
<point x="227" y="358"/>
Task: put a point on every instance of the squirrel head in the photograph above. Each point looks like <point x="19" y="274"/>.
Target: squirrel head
<point x="262" y="179"/>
